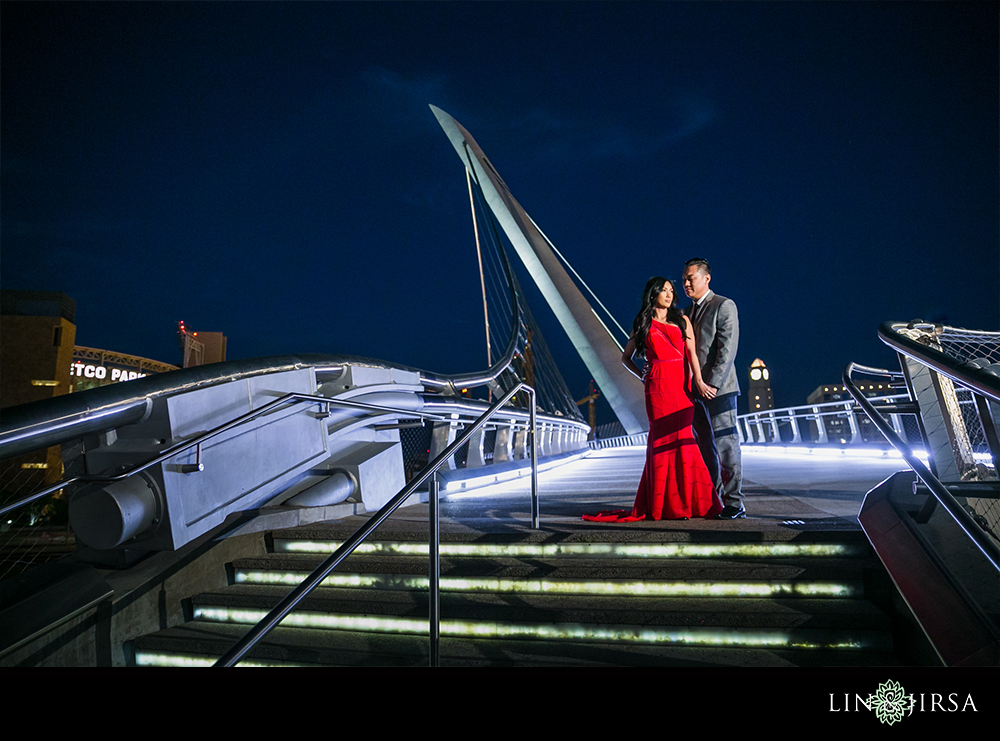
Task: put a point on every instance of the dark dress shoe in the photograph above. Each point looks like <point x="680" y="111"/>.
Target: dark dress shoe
<point x="731" y="513"/>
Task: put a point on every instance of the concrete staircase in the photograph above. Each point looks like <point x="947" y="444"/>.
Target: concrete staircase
<point x="608" y="597"/>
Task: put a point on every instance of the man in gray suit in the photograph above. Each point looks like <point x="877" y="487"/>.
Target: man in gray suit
<point x="717" y="333"/>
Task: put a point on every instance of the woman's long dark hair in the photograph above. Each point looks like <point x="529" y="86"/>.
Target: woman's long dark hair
<point x="644" y="319"/>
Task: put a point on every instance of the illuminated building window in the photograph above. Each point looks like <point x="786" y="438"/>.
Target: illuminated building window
<point x="45" y="383"/>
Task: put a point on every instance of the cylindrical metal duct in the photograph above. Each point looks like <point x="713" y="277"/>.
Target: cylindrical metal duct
<point x="106" y="517"/>
<point x="334" y="489"/>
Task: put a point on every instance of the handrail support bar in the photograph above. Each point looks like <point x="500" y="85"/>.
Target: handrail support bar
<point x="434" y="571"/>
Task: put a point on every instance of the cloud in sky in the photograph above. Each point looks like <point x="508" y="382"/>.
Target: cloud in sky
<point x="544" y="131"/>
<point x="602" y="136"/>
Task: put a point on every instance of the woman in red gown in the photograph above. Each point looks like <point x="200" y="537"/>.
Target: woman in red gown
<point x="675" y="483"/>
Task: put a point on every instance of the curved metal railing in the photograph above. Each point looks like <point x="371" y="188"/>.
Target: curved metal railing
<point x="974" y="367"/>
<point x="198" y="440"/>
<point x="813" y="423"/>
<point x="64" y="418"/>
<point x="808" y="424"/>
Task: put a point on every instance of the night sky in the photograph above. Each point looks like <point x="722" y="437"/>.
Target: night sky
<point x="273" y="171"/>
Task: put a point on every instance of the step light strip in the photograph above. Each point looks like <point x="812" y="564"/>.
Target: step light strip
<point x="717" y="637"/>
<point x="147" y="658"/>
<point x="592" y="550"/>
<point x="854" y="452"/>
<point x="545" y="586"/>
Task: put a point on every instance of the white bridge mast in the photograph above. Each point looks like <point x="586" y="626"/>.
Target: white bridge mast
<point x="589" y="336"/>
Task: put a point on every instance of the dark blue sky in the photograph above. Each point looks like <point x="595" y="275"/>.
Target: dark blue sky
<point x="273" y="171"/>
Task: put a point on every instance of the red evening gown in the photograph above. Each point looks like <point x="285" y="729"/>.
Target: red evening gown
<point x="675" y="482"/>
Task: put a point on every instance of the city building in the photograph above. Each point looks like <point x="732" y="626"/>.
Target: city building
<point x="838" y="426"/>
<point x="200" y="348"/>
<point x="36" y="345"/>
<point x="39" y="359"/>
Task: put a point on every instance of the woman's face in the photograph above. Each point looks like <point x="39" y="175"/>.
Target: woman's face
<point x="665" y="298"/>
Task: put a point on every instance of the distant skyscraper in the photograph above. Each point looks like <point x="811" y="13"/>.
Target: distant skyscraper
<point x="760" y="396"/>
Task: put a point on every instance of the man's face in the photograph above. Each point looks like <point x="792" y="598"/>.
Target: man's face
<point x="695" y="282"/>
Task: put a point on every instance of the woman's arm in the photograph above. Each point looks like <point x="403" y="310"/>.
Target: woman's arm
<point x="700" y="386"/>
<point x="627" y="361"/>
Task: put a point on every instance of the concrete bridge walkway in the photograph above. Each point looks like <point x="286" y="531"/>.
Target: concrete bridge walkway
<point x="785" y="492"/>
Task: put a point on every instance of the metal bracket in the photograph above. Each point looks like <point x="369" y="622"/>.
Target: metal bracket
<point x="197" y="466"/>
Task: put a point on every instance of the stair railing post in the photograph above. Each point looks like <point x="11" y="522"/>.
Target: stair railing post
<point x="534" y="461"/>
<point x="434" y="568"/>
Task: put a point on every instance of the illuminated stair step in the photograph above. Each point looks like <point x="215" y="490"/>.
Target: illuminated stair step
<point x="642" y="588"/>
<point x="605" y="633"/>
<point x="829" y="576"/>
<point x="587" y="550"/>
<point x="703" y="611"/>
<point x="549" y="599"/>
<point x="156" y="658"/>
<point x="200" y="643"/>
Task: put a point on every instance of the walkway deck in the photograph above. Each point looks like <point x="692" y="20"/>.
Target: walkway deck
<point x="786" y="493"/>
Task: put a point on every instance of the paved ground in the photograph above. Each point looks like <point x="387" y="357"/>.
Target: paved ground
<point x="785" y="491"/>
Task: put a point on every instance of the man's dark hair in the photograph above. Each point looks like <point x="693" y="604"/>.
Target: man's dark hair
<point x="702" y="264"/>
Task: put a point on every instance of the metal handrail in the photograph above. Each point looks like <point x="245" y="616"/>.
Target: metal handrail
<point x="808" y="410"/>
<point x="894" y="404"/>
<point x="199" y="439"/>
<point x="235" y="422"/>
<point x="939" y="490"/>
<point x="965" y="374"/>
<point x="517" y="415"/>
<point x="286" y="605"/>
<point x="40" y="424"/>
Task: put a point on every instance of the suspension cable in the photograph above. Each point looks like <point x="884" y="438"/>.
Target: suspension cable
<point x="482" y="279"/>
<point x="573" y="270"/>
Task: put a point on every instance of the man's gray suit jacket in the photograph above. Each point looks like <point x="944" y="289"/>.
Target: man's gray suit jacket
<point x="717" y="334"/>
